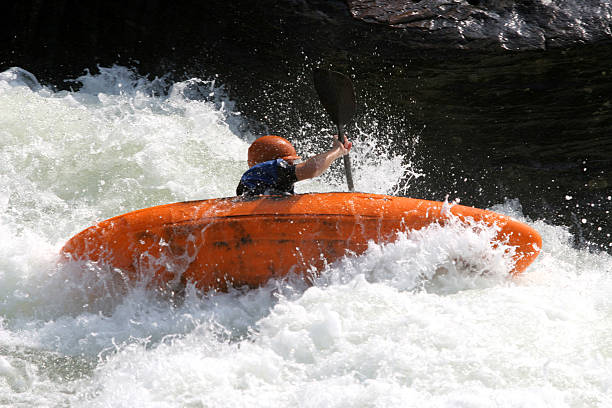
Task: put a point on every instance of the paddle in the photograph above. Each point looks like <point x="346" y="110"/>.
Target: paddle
<point x="338" y="98"/>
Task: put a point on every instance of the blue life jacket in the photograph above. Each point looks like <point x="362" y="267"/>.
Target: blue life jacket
<point x="269" y="178"/>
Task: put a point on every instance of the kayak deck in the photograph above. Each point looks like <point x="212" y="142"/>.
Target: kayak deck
<point x="246" y="241"/>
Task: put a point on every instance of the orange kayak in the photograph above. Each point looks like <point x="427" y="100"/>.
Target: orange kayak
<point x="246" y="241"/>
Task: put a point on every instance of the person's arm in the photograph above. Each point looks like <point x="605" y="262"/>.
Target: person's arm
<point x="316" y="165"/>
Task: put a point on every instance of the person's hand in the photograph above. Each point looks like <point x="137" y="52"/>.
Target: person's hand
<point x="344" y="147"/>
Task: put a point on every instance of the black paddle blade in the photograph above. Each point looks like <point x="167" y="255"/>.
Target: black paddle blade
<point x="336" y="94"/>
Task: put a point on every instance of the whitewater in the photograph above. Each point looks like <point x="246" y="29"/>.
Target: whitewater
<point x="405" y="324"/>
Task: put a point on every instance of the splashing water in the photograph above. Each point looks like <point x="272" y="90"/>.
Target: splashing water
<point x="432" y="319"/>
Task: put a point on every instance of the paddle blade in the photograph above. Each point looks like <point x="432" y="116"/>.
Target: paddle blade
<point x="336" y="94"/>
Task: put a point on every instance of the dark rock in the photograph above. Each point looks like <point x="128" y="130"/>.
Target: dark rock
<point x="513" y="25"/>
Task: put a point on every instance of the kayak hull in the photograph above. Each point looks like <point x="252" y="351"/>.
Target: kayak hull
<point x="246" y="241"/>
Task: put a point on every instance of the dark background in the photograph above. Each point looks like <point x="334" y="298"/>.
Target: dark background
<point x="490" y="123"/>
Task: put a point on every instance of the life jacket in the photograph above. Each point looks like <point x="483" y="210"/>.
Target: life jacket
<point x="272" y="177"/>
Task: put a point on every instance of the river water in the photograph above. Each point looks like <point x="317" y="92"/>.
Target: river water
<point x="401" y="325"/>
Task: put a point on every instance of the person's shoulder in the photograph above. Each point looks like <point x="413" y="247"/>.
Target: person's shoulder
<point x="282" y="163"/>
<point x="262" y="166"/>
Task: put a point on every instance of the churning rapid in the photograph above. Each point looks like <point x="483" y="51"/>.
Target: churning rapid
<point x="404" y="324"/>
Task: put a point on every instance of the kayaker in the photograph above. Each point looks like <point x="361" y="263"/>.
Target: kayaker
<point x="273" y="169"/>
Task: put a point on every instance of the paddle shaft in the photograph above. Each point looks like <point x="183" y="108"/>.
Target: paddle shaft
<point x="347" y="160"/>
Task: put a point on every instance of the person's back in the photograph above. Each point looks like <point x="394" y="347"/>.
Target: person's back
<point x="272" y="170"/>
<point x="269" y="178"/>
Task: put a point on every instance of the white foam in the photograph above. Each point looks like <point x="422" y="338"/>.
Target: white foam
<point x="512" y="343"/>
<point x="432" y="319"/>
